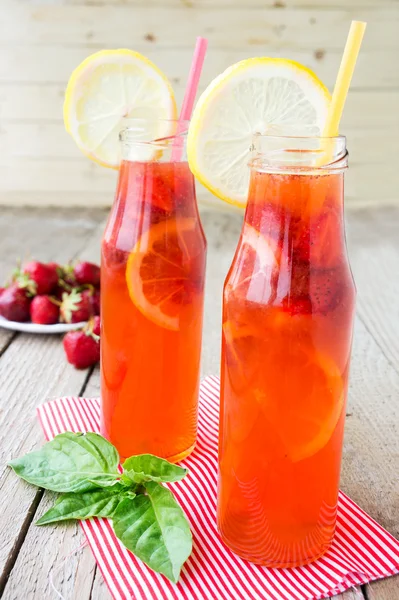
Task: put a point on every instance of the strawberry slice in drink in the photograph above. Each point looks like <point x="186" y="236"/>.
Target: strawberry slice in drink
<point x="320" y="240"/>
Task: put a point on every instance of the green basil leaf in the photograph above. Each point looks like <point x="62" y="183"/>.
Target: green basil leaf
<point x="155" y="529"/>
<point x="100" y="503"/>
<point x="71" y="462"/>
<point x="147" y="467"/>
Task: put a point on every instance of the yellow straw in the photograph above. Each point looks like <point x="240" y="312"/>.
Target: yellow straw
<point x="344" y="78"/>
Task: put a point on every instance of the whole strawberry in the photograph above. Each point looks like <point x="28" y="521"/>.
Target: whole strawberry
<point x="75" y="307"/>
<point x="14" y="303"/>
<point x="44" y="310"/>
<point x="38" y="278"/>
<point x="86" y="272"/>
<point x="82" y="348"/>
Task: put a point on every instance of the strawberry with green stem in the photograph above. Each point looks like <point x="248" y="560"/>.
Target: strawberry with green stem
<point x="82" y="347"/>
<point x="37" y="278"/>
<point x="75" y="307"/>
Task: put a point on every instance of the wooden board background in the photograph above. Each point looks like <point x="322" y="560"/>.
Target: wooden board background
<point x="42" y="41"/>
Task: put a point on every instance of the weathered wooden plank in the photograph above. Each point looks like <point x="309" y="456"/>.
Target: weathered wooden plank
<point x="60" y="558"/>
<point x="354" y="593"/>
<point x="100" y="590"/>
<point x="42" y="102"/>
<point x="227" y="4"/>
<point x="385" y="589"/>
<point x="64" y="561"/>
<point x="81" y="179"/>
<point x="371" y="435"/>
<point x="33" y="368"/>
<point x="237" y="27"/>
<point x="30" y="64"/>
<point x="49" y="141"/>
<point x="374" y="254"/>
<point x="43" y="234"/>
<point x="5" y="339"/>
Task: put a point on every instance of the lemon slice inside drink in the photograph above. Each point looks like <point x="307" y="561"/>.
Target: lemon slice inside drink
<point x="267" y="95"/>
<point x="108" y="87"/>
<point x="158" y="273"/>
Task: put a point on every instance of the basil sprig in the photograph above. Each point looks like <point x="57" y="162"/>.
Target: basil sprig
<point x="145" y="515"/>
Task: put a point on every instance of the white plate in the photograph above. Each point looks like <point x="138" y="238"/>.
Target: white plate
<point x="35" y="328"/>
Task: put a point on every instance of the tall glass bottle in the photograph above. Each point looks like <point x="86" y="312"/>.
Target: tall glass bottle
<point x="289" y="302"/>
<point x="152" y="291"/>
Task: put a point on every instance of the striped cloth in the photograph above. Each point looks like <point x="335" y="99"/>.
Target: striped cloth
<point x="362" y="550"/>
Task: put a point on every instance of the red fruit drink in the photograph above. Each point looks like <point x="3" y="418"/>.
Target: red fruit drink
<point x="152" y="289"/>
<point x="288" y="312"/>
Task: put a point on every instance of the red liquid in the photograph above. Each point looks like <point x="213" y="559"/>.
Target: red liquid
<point x="152" y="288"/>
<point x="287" y="327"/>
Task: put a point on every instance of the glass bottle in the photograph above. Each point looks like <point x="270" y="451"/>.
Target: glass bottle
<point x="152" y="292"/>
<point x="288" y="311"/>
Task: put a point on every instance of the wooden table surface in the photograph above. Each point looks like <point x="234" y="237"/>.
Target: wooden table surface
<point x="39" y="563"/>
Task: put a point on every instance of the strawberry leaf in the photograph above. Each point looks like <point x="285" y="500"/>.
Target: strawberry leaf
<point x="69" y="305"/>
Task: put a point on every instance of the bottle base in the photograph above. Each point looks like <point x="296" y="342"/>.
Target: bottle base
<point x="272" y="564"/>
<point x="181" y="456"/>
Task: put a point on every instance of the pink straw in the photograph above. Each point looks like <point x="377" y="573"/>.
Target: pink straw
<point x="191" y="91"/>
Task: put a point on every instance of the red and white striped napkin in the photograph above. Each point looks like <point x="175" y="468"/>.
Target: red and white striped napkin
<point x="362" y="550"/>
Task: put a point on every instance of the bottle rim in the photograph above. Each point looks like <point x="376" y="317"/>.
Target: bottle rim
<point x="299" y="154"/>
<point x="175" y="131"/>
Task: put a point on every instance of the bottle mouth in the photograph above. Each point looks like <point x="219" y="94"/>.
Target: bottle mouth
<point x="301" y="155"/>
<point x="158" y="133"/>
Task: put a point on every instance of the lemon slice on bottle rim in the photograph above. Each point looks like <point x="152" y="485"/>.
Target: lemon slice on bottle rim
<point x="108" y="87"/>
<point x="267" y="95"/>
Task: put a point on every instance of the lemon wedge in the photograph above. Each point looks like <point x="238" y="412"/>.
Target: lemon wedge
<point x="267" y="95"/>
<point x="109" y="86"/>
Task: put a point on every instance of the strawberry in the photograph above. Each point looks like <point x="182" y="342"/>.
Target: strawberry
<point x="14" y="303"/>
<point x="312" y="290"/>
<point x="298" y="306"/>
<point x="82" y="348"/>
<point x="320" y="242"/>
<point x="87" y="273"/>
<point x="96" y="325"/>
<point x="56" y="268"/>
<point x="75" y="307"/>
<point x="324" y="291"/>
<point x="37" y="278"/>
<point x="44" y="310"/>
<point x="113" y="257"/>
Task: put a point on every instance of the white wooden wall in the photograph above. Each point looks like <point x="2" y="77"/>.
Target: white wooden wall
<point x="42" y="42"/>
